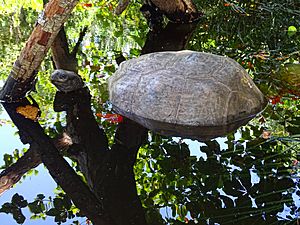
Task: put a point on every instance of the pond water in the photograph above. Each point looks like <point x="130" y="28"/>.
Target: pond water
<point x="250" y="176"/>
<point x="239" y="181"/>
<point x="38" y="182"/>
<point x="29" y="186"/>
<point x="234" y="179"/>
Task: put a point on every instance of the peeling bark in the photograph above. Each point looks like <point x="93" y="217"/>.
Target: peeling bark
<point x="23" y="72"/>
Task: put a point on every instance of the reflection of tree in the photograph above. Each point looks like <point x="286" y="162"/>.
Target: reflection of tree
<point x="217" y="189"/>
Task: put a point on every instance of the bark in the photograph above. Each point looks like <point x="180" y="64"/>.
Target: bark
<point x="62" y="57"/>
<point x="13" y="174"/>
<point x="23" y="74"/>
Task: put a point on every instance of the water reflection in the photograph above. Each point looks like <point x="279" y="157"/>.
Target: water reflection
<point x="10" y="143"/>
<point x="230" y="180"/>
<point x="243" y="178"/>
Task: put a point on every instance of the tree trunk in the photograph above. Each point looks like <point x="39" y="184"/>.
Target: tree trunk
<point x="22" y="75"/>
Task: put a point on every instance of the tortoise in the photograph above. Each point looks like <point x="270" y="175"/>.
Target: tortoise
<point x="185" y="93"/>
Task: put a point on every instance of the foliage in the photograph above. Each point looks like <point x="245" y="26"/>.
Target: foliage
<point x="60" y="207"/>
<point x="15" y="208"/>
<point x="260" y="35"/>
<point x="251" y="175"/>
<point x="16" y="23"/>
<point x="219" y="188"/>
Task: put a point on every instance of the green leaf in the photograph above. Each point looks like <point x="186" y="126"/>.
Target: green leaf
<point x="18" y="216"/>
<point x="36" y="207"/>
<point x="8" y="159"/>
<point x="67" y="202"/>
<point x="135" y="52"/>
<point x="18" y="200"/>
<point x="292" y="30"/>
<point x="7" y="208"/>
<point x="40" y="196"/>
<point x="182" y="211"/>
<point x="52" y="212"/>
<point x="58" y="203"/>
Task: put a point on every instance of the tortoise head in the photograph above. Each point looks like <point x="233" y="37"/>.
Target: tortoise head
<point x="66" y="81"/>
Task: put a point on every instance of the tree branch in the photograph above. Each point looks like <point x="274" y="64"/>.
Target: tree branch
<point x="60" y="53"/>
<point x="62" y="57"/>
<point x="13" y="174"/>
<point x="80" y="39"/>
<point x="31" y="159"/>
<point x="48" y="25"/>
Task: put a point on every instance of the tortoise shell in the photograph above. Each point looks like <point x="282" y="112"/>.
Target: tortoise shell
<point x="185" y="93"/>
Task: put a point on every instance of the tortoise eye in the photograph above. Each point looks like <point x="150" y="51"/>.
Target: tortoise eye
<point x="62" y="76"/>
